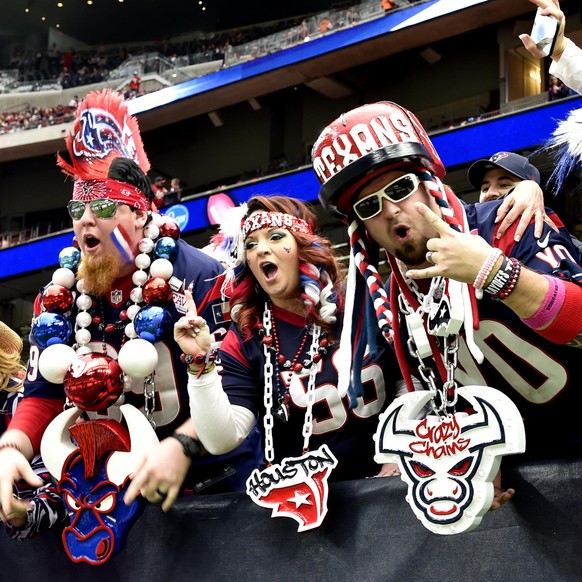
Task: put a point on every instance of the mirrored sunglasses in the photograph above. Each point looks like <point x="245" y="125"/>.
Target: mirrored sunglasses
<point x="396" y="191"/>
<point x="101" y="208"/>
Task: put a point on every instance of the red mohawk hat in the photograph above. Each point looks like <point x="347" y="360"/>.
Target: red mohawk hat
<point x="363" y="143"/>
<point x="103" y="132"/>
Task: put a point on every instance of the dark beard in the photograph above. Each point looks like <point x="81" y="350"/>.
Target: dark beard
<point x="99" y="274"/>
<point x="412" y="254"/>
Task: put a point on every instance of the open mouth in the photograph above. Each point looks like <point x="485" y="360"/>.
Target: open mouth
<point x="91" y="242"/>
<point x="269" y="270"/>
<point x="402" y="233"/>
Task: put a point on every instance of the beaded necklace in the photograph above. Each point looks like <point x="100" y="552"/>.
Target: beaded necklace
<point x="142" y="324"/>
<point x="268" y="350"/>
<point x="270" y="339"/>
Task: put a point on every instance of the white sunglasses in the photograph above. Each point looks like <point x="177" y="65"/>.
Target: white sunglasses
<point x="396" y="191"/>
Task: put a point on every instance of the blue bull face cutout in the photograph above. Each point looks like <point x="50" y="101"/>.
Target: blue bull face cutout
<point x="93" y="470"/>
<point x="449" y="462"/>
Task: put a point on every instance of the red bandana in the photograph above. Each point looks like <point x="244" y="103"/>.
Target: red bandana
<point x="262" y="220"/>
<point x="87" y="190"/>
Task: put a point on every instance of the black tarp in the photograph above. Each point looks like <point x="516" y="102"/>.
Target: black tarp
<point x="370" y="533"/>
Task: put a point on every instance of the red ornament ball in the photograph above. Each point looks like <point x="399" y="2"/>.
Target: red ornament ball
<point x="156" y="290"/>
<point x="93" y="382"/>
<point x="169" y="228"/>
<point x="57" y="299"/>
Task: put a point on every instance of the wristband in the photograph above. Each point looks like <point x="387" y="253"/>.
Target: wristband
<point x="566" y="326"/>
<point x="501" y="277"/>
<point x="551" y="305"/>
<point x="505" y="279"/>
<point x="201" y="371"/>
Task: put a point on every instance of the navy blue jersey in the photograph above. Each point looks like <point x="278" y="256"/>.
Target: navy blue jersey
<point x="192" y="267"/>
<point x="347" y="432"/>
<point x="541" y="377"/>
<point x="203" y="275"/>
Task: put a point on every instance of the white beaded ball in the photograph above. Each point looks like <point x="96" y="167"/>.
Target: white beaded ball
<point x="65" y="277"/>
<point x="84" y="302"/>
<point x="138" y="358"/>
<point x="83" y="336"/>
<point x="143" y="261"/>
<point x="139" y="277"/>
<point x="146" y="245"/>
<point x="132" y="311"/>
<point x="151" y="231"/>
<point x="83" y="319"/>
<point x="162" y="268"/>
<point x="54" y="362"/>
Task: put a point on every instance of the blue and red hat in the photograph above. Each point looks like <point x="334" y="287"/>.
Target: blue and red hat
<point x="510" y="162"/>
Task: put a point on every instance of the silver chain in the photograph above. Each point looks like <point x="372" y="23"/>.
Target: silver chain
<point x="308" y="422"/>
<point x="268" y="393"/>
<point x="448" y="391"/>
<point x="149" y="398"/>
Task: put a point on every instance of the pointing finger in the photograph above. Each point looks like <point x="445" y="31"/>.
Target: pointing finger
<point x="433" y="219"/>
<point x="191" y="310"/>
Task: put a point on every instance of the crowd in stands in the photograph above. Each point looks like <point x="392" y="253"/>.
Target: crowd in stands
<point x="33" y="117"/>
<point x="73" y="68"/>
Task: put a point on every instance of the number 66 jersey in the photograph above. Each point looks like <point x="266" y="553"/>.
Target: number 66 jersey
<point x="347" y="431"/>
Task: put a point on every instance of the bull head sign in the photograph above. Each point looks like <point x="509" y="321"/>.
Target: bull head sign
<point x="449" y="461"/>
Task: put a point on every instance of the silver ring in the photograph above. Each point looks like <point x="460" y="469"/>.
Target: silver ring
<point x="162" y="494"/>
<point x="429" y="256"/>
<point x="203" y="323"/>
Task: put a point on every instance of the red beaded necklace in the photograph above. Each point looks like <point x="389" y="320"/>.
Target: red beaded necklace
<point x="294" y="365"/>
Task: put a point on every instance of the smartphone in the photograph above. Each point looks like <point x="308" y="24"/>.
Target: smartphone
<point x="544" y="32"/>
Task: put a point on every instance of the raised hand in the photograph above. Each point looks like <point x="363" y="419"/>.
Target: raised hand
<point x="525" y="202"/>
<point x="191" y="331"/>
<point x="551" y="7"/>
<point x="454" y="254"/>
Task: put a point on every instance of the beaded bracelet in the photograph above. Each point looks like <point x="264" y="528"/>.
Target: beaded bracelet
<point x="510" y="286"/>
<point x="485" y="270"/>
<point x="201" y="360"/>
<point x="551" y="305"/>
<point x="505" y="279"/>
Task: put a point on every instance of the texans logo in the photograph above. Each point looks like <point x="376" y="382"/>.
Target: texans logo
<point x="296" y="488"/>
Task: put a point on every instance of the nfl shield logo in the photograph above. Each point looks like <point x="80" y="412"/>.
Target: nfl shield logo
<point x="116" y="296"/>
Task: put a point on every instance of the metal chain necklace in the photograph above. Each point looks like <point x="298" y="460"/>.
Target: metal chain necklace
<point x="297" y="486"/>
<point x="268" y="393"/>
<point x="419" y="345"/>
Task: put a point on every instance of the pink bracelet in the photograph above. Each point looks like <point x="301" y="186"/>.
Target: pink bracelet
<point x="488" y="264"/>
<point x="551" y="305"/>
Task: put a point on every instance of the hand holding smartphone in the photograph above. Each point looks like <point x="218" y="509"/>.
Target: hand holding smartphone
<point x="544" y="32"/>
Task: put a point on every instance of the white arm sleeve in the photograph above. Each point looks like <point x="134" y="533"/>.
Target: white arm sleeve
<point x="569" y="68"/>
<point x="220" y="426"/>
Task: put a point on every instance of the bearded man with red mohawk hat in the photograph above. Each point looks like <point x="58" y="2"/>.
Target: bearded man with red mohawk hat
<point x="102" y="330"/>
<point x="463" y="307"/>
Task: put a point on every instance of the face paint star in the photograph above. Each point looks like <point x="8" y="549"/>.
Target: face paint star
<point x="300" y="499"/>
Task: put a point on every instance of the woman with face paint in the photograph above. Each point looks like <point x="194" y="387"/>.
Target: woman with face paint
<point x="279" y="361"/>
